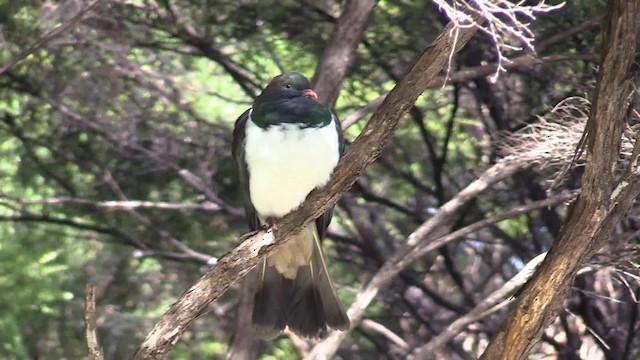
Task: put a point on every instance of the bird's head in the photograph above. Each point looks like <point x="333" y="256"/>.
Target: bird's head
<point x="287" y="86"/>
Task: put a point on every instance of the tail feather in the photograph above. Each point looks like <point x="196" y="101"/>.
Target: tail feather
<point x="269" y="315"/>
<point x="306" y="302"/>
<point x="335" y="315"/>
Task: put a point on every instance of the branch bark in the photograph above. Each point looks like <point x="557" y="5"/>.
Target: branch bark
<point x="95" y="351"/>
<point x="365" y="149"/>
<point x="599" y="207"/>
<point x="339" y="54"/>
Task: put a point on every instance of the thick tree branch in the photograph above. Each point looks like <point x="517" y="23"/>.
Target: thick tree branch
<point x="340" y="51"/>
<point x="364" y="150"/>
<point x="598" y="208"/>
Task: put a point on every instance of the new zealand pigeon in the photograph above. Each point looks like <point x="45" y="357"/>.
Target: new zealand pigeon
<point x="286" y="145"/>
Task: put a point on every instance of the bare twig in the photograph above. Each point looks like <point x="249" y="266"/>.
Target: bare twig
<point x="384" y="331"/>
<point x="126" y="204"/>
<point x="164" y="234"/>
<point x="49" y="36"/>
<point x="503" y="23"/>
<point x="494" y="302"/>
<point x="95" y="351"/>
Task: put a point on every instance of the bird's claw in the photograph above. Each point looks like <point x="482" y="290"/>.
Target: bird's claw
<point x="271" y="223"/>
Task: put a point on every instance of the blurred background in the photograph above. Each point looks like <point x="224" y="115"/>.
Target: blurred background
<point x="115" y="170"/>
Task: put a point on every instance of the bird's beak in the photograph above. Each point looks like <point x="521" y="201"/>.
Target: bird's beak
<point x="310" y="93"/>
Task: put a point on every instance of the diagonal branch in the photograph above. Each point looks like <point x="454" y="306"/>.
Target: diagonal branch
<point x="365" y="149"/>
<point x="48" y="37"/>
<point x="494" y="302"/>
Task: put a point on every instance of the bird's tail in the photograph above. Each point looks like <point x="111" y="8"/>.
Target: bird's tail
<point x="295" y="290"/>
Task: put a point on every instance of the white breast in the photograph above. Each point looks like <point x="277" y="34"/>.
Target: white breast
<point x="286" y="162"/>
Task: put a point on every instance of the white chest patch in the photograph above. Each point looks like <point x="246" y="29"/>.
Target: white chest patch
<point x="286" y="162"/>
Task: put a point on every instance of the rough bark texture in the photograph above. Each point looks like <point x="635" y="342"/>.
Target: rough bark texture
<point x="364" y="150"/>
<point x="95" y="350"/>
<point x="603" y="200"/>
<point x="244" y="344"/>
<point x="340" y="52"/>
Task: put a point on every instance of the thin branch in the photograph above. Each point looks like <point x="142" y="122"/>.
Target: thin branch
<point x="48" y="37"/>
<point x="164" y="234"/>
<point x="427" y="238"/>
<point x="384" y="331"/>
<point x="367" y="109"/>
<point x="546" y="44"/>
<point x="494" y="302"/>
<point x="364" y="150"/>
<point x="126" y="204"/>
<point x="116" y="233"/>
<point x="95" y="350"/>
<point x="189" y="177"/>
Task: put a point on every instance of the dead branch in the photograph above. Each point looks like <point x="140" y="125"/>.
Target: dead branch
<point x="126" y="204"/>
<point x="603" y="201"/>
<point x="494" y="302"/>
<point x="364" y="150"/>
<point x="506" y="23"/>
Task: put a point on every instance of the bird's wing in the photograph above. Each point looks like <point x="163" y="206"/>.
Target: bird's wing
<point x="322" y="223"/>
<point x="242" y="171"/>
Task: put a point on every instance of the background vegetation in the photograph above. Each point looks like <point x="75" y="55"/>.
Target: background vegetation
<point x="115" y="170"/>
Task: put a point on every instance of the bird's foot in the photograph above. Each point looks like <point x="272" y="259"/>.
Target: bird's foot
<point x="271" y="223"/>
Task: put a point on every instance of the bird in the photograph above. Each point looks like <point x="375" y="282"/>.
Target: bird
<point x="284" y="146"/>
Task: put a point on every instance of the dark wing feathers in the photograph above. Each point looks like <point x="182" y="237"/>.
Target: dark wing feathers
<point x="242" y="171"/>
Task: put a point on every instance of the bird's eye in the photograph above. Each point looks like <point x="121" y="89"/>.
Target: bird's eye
<point x="288" y="86"/>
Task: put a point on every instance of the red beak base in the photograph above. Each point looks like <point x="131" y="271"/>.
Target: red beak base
<point x="310" y="93"/>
